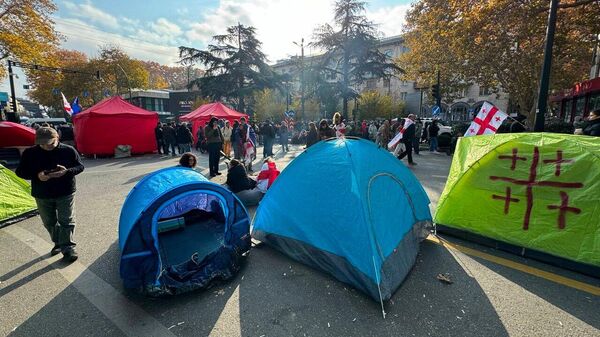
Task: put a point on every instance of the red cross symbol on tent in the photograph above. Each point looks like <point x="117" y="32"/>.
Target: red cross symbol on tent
<point x="484" y="124"/>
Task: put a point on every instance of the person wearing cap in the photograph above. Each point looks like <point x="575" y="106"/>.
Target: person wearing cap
<point x="52" y="166"/>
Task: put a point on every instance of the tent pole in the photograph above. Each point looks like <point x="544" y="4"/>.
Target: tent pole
<point x="379" y="289"/>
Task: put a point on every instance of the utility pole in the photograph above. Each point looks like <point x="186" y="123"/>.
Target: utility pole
<point x="542" y="105"/>
<point x="12" y="116"/>
<point x="302" y="78"/>
<point x="438" y="99"/>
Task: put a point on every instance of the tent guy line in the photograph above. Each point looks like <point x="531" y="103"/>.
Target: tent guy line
<point x="582" y="286"/>
<point x="98" y="292"/>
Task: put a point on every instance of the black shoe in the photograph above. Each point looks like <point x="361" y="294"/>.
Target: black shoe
<point x="412" y="164"/>
<point x="218" y="173"/>
<point x="70" y="255"/>
<point x="55" y="250"/>
<point x="212" y="175"/>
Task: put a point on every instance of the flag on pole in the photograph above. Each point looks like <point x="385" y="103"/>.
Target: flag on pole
<point x="66" y="105"/>
<point x="392" y="144"/>
<point x="75" y="106"/>
<point x="487" y="122"/>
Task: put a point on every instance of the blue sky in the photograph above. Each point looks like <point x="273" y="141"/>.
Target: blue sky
<point x="153" y="29"/>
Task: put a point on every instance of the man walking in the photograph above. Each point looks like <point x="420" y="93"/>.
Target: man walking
<point x="408" y="135"/>
<point x="169" y="138"/>
<point x="52" y="166"/>
<point x="268" y="133"/>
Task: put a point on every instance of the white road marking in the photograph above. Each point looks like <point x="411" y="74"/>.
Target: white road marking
<point x="127" y="316"/>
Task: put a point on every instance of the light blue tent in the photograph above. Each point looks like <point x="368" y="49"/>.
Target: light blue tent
<point x="180" y="232"/>
<point x="350" y="209"/>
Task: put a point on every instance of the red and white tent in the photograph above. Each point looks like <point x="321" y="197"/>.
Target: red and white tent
<point x="112" y="122"/>
<point x="201" y="116"/>
<point x="16" y="135"/>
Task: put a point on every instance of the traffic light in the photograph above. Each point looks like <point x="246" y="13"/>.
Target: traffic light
<point x="435" y="91"/>
<point x="97" y="74"/>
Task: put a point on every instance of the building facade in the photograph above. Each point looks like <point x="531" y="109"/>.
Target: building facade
<point x="416" y="100"/>
<point x="169" y="104"/>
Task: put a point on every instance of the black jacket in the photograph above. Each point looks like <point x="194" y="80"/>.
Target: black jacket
<point x="35" y="160"/>
<point x="213" y="136"/>
<point x="593" y="128"/>
<point x="433" y="130"/>
<point x="409" y="134"/>
<point x="238" y="180"/>
<point x="184" y="135"/>
<point x="312" y="138"/>
<point x="169" y="135"/>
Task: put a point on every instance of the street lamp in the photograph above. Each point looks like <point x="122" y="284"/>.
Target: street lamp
<point x="128" y="81"/>
<point x="301" y="45"/>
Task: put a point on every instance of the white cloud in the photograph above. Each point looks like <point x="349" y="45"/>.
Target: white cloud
<point x="280" y="22"/>
<point x="390" y="20"/>
<point x="93" y="14"/>
<point x="165" y="27"/>
<point x="87" y="38"/>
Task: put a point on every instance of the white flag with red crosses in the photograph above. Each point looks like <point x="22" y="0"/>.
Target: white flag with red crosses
<point x="487" y="122"/>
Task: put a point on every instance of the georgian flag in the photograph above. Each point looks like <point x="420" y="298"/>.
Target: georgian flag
<point x="392" y="144"/>
<point x="66" y="104"/>
<point x="487" y="122"/>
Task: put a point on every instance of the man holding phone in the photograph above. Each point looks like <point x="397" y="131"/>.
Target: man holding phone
<point x="52" y="166"/>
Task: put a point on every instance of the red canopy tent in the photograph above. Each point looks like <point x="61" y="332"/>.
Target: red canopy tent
<point x="112" y="122"/>
<point x="202" y="115"/>
<point x="16" y="135"/>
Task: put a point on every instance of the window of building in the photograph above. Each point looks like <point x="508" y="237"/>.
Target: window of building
<point x="386" y="82"/>
<point x="372" y="83"/>
<point x="147" y="103"/>
<point x="389" y="53"/>
<point x="403" y="96"/>
<point x="594" y="102"/>
<point x="483" y="91"/>
<point x="158" y="104"/>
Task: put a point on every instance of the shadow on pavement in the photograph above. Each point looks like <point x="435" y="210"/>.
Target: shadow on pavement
<point x="582" y="305"/>
<point x="280" y="297"/>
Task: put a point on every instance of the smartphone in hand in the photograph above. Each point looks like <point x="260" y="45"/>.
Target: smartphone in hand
<point x="56" y="169"/>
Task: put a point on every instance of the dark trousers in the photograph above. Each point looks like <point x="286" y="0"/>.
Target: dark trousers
<point x="159" y="145"/>
<point x="416" y="145"/>
<point x="58" y="216"/>
<point x="268" y="148"/>
<point x="214" y="154"/>
<point x="408" y="152"/>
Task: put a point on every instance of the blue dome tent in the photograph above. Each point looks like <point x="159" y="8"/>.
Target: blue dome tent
<point x="350" y="209"/>
<point x="179" y="232"/>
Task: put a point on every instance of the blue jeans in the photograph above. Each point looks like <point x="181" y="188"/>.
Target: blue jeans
<point x="433" y="144"/>
<point x="58" y="216"/>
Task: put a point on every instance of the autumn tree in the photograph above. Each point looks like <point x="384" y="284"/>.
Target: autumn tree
<point x="163" y="77"/>
<point x="236" y="66"/>
<point x="374" y="105"/>
<point x="26" y="31"/>
<point x="351" y="50"/>
<point x="498" y="44"/>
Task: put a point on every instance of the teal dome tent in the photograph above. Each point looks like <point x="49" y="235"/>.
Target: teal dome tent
<point x="350" y="209"/>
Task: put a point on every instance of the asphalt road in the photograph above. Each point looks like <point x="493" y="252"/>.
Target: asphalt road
<point x="272" y="295"/>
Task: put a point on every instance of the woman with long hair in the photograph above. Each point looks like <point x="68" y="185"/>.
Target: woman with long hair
<point x="338" y="125"/>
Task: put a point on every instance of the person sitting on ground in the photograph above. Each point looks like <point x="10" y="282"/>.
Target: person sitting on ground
<point x="593" y="127"/>
<point x="188" y="160"/>
<point x="243" y="186"/>
<point x="325" y="132"/>
<point x="268" y="174"/>
<point x="313" y="135"/>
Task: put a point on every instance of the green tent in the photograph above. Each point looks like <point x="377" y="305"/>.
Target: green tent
<point x="16" y="201"/>
<point x="535" y="191"/>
